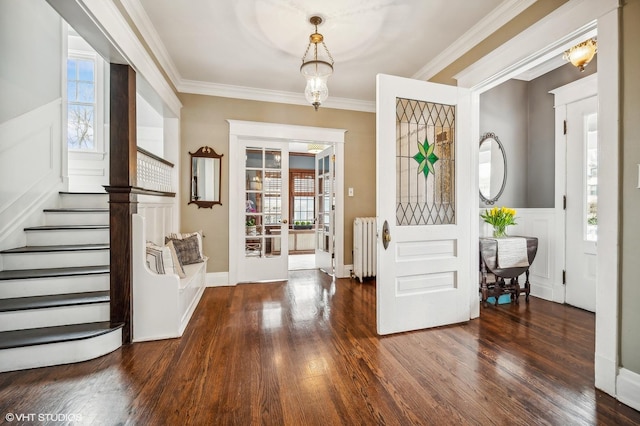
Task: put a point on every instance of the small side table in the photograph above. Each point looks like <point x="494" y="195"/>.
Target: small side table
<point x="489" y="265"/>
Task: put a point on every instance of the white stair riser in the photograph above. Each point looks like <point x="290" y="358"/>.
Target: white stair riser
<point x="66" y="218"/>
<point x="59" y="353"/>
<point x="64" y="259"/>
<point x="51" y="317"/>
<point x="55" y="285"/>
<point x="64" y="237"/>
<point x="84" y="200"/>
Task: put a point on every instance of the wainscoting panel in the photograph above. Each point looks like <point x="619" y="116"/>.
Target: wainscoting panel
<point x="160" y="217"/>
<point x="30" y="169"/>
<point x="545" y="272"/>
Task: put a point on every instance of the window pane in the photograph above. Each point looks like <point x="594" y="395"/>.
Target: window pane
<point x="85" y="70"/>
<point x="591" y="180"/>
<point x="72" y="69"/>
<point x="85" y="92"/>
<point x="72" y="94"/>
<point x="81" y="98"/>
<point x="80" y="127"/>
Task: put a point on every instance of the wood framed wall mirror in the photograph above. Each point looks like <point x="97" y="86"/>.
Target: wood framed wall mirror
<point x="205" y="177"/>
<point x="492" y="168"/>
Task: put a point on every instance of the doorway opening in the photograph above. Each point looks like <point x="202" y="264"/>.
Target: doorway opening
<point x="260" y="152"/>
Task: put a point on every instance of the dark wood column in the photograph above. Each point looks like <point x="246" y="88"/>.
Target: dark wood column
<point x="122" y="199"/>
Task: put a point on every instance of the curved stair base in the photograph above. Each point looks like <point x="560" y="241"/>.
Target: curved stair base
<point x="66" y="347"/>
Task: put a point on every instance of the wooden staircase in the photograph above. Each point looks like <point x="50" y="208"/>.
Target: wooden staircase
<point x="54" y="292"/>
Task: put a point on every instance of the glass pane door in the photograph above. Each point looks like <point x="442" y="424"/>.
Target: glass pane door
<point x="263" y="206"/>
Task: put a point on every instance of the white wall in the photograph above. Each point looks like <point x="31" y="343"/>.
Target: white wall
<point x="31" y="160"/>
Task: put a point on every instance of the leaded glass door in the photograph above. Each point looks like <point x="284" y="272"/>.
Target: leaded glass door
<point x="423" y="190"/>
<point x="264" y="228"/>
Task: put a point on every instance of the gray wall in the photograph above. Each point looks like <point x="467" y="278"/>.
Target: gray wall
<point x="541" y="136"/>
<point x="503" y="111"/>
<point x="521" y="114"/>
<point x="31" y="65"/>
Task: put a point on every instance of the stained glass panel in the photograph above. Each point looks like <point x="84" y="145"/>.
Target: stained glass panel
<point x="425" y="163"/>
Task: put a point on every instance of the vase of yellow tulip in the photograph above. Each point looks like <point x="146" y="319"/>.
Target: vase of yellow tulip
<point x="500" y="218"/>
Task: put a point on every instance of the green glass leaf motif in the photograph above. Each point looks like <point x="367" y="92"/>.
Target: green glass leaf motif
<point x="426" y="158"/>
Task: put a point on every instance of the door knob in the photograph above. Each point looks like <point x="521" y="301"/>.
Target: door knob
<point x="285" y="221"/>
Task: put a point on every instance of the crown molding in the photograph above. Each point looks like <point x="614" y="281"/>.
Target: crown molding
<point x="499" y="16"/>
<point x="266" y="95"/>
<point x="142" y="21"/>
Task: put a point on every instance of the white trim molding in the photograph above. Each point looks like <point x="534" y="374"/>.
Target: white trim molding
<point x="285" y="133"/>
<point x="217" y="279"/>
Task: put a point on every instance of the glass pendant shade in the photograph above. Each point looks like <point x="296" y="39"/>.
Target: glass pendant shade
<point x="581" y="54"/>
<point x="315" y="70"/>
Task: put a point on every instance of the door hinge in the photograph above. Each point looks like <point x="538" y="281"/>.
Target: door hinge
<point x="564" y="276"/>
<point x="564" y="202"/>
<point x="565" y="127"/>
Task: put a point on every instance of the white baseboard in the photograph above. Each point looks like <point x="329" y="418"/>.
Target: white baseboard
<point x="606" y="371"/>
<point x="628" y="387"/>
<point x="217" y="279"/>
<point x="345" y="273"/>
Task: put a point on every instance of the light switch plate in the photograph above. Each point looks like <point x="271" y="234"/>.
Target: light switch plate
<point x="350" y="192"/>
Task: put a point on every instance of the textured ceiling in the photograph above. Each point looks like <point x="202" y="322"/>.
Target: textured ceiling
<point x="258" y="44"/>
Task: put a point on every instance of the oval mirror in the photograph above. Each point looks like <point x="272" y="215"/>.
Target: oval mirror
<point x="492" y="168"/>
<point x="205" y="177"/>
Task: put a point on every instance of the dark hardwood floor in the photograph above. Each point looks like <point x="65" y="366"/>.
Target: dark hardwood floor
<point x="306" y="353"/>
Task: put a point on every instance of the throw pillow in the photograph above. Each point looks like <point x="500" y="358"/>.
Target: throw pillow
<point x="177" y="265"/>
<point x="182" y="236"/>
<point x="187" y="250"/>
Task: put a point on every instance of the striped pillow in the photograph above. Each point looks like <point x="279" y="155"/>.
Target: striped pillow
<point x="163" y="260"/>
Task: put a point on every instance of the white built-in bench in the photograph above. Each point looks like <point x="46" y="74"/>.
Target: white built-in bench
<point x="162" y="303"/>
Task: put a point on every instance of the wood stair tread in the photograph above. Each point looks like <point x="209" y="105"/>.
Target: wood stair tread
<point x="77" y="210"/>
<point x="57" y="248"/>
<point x="82" y="193"/>
<point x="23" y="274"/>
<point x="46" y="335"/>
<point x="53" y="301"/>
<point x="65" y="227"/>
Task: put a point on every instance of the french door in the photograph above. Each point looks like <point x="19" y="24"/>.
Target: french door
<point x="423" y="175"/>
<point x="264" y="230"/>
<point x="325" y="204"/>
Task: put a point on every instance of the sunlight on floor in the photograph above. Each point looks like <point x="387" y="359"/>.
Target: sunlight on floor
<point x="302" y="261"/>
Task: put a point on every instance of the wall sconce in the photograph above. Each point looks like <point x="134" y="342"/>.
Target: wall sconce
<point x="580" y="54"/>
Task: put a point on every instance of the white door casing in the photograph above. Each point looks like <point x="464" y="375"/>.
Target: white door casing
<point x="325" y="210"/>
<point x="283" y="134"/>
<point x="581" y="251"/>
<point x="423" y="276"/>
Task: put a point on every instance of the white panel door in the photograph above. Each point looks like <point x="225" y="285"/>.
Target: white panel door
<point x="582" y="202"/>
<point x="264" y="230"/>
<point x="423" y="175"/>
<point x="325" y="209"/>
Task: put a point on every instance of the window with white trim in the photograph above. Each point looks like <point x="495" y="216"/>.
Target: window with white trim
<point x="81" y="102"/>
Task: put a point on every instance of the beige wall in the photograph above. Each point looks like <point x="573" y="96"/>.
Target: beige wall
<point x="203" y="122"/>
<point x="630" y="153"/>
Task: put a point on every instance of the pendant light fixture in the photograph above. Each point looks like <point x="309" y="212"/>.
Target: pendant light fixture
<point x="316" y="70"/>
